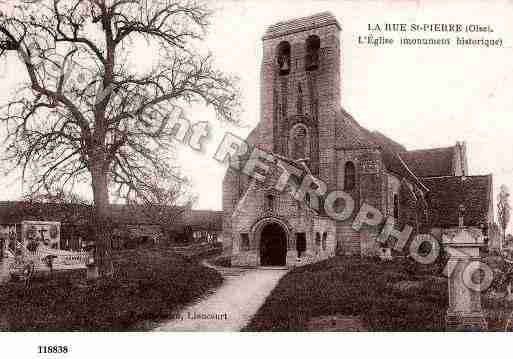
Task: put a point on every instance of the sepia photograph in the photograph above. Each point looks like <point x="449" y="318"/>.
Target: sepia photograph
<point x="175" y="166"/>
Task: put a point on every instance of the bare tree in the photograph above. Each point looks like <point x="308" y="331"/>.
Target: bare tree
<point x="503" y="211"/>
<point x="83" y="115"/>
<point x="164" y="203"/>
<point x="58" y="196"/>
<point x="66" y="206"/>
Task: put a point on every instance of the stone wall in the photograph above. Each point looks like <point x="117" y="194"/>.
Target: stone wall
<point x="324" y="227"/>
<point x="371" y="188"/>
<point x="407" y="206"/>
<point x="348" y="239"/>
<point x="252" y="213"/>
<point x="367" y="188"/>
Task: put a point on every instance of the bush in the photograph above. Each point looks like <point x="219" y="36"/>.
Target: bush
<point x="222" y="261"/>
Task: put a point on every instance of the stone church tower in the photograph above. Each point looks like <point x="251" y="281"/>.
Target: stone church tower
<point x="300" y="91"/>
<point x="300" y="98"/>
<point x="303" y="124"/>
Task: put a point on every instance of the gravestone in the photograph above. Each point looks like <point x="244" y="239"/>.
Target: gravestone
<point x="464" y="312"/>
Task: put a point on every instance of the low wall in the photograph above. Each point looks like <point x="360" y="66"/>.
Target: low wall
<point x="251" y="258"/>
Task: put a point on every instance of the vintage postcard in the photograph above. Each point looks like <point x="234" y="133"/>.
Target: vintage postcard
<point x="257" y="166"/>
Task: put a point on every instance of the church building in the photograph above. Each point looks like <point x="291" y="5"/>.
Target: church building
<point x="304" y="125"/>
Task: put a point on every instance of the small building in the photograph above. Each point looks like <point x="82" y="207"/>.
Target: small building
<point x="131" y="226"/>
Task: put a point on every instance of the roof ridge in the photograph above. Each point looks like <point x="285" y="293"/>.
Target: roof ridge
<point x="366" y="138"/>
<point x="481" y="175"/>
<point x="290" y="26"/>
<point x="434" y="177"/>
<point x="289" y="21"/>
<point x="294" y="19"/>
<point x="430" y="149"/>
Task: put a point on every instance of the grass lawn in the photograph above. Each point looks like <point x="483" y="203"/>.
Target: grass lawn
<point x="148" y="285"/>
<point x="354" y="287"/>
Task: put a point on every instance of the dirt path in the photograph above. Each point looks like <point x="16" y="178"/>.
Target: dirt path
<point x="231" y="306"/>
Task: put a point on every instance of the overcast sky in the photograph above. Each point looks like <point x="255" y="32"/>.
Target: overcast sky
<point x="421" y="97"/>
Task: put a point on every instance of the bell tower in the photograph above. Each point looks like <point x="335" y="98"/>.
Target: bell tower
<point x="300" y="91"/>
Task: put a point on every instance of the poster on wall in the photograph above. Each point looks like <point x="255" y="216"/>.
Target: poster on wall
<point x="39" y="249"/>
<point x="35" y="233"/>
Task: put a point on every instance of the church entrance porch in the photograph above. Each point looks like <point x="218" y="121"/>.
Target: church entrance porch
<point x="273" y="245"/>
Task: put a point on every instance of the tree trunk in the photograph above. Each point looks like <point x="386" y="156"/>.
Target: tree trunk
<point x="501" y="242"/>
<point x="101" y="223"/>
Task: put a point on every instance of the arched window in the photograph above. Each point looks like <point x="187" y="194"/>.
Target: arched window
<point x="324" y="240"/>
<point x="396" y="206"/>
<point x="349" y="176"/>
<point x="283" y="58"/>
<point x="313" y="44"/>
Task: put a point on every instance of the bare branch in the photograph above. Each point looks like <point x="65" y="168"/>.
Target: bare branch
<point x="83" y="115"/>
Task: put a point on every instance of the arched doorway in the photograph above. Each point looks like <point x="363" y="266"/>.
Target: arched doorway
<point x="273" y="245"/>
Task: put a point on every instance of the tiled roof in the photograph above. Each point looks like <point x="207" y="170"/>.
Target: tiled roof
<point x="123" y="214"/>
<point x="434" y="162"/>
<point x="448" y="193"/>
<point x="15" y="212"/>
<point x="204" y="219"/>
<point x="414" y="165"/>
<point x="385" y="140"/>
<point x="351" y="135"/>
<point x="301" y="24"/>
<point x="395" y="164"/>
